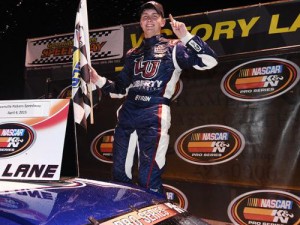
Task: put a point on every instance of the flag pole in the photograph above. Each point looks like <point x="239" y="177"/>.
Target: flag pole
<point x="92" y="103"/>
<point x="87" y="41"/>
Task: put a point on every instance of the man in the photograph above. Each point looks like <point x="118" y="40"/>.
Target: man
<point x="148" y="78"/>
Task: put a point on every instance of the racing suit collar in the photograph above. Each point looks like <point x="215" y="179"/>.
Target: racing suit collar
<point x="153" y="40"/>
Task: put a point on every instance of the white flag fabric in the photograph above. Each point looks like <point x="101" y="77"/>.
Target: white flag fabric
<point x="82" y="103"/>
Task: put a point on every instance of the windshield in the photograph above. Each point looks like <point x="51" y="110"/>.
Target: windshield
<point x="183" y="219"/>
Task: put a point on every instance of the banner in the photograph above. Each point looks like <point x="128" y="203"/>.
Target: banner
<point x="237" y="31"/>
<point x="105" y="44"/>
<point x="32" y="134"/>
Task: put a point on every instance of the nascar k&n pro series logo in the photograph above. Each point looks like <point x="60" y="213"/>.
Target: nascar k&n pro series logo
<point x="260" y="79"/>
<point x="176" y="196"/>
<point x="265" y="207"/>
<point x="210" y="144"/>
<point x="102" y="145"/>
<point x="15" y="138"/>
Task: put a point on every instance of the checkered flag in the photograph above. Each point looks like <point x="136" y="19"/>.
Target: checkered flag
<point x="81" y="85"/>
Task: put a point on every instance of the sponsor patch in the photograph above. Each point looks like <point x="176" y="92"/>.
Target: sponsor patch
<point x="160" y="50"/>
<point x="194" y="45"/>
<point x="148" y="69"/>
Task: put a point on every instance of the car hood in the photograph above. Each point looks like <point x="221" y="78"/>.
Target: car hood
<point x="71" y="201"/>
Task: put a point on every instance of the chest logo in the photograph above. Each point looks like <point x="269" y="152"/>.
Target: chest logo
<point x="147" y="69"/>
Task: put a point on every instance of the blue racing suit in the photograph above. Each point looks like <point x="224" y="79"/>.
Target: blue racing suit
<point x="148" y="78"/>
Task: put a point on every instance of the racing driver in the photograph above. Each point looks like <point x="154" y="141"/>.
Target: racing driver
<point x="148" y="80"/>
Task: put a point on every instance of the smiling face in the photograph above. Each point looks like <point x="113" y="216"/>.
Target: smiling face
<point x="151" y="22"/>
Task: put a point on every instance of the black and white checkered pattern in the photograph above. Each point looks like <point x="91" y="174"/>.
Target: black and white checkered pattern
<point x="53" y="40"/>
<point x="65" y="39"/>
<point x="53" y="60"/>
<point x="68" y="58"/>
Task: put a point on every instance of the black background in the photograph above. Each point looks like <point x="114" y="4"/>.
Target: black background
<point x="23" y="19"/>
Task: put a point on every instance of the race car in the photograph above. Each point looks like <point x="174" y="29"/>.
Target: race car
<point x="77" y="201"/>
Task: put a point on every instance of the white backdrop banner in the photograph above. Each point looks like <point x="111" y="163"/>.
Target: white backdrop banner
<point x="105" y="44"/>
<point x="32" y="134"/>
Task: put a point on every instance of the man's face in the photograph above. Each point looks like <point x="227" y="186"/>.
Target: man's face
<point x="151" y="22"/>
